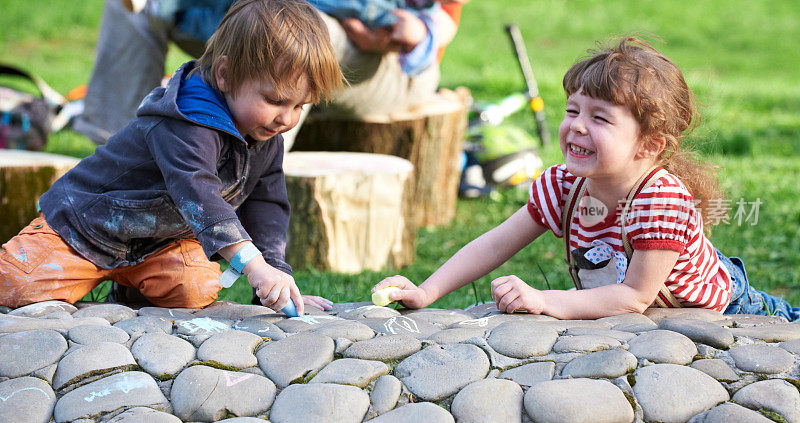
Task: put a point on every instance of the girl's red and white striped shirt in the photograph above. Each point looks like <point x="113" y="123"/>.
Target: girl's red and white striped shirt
<point x="661" y="217"/>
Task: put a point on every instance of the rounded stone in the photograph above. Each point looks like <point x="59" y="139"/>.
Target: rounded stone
<point x="351" y="371"/>
<point x="663" y="346"/>
<point x="611" y="333"/>
<point x="700" y="331"/>
<point x="304" y="323"/>
<point x="89" y="361"/>
<point x="488" y="400"/>
<point x="26" y="399"/>
<point x="437" y="372"/>
<point x="456" y="335"/>
<point x="522" y="339"/>
<point x="233" y="348"/>
<point x="729" y="412"/>
<point x="162" y="355"/>
<point x="669" y="392"/>
<point x="202" y="393"/>
<point x="127" y="389"/>
<point x="627" y="319"/>
<point x="12" y="324"/>
<point x="171" y="314"/>
<point x="320" y="402"/>
<point x="348" y="329"/>
<point x="792" y="346"/>
<point x="657" y="314"/>
<point x="601" y="364"/>
<point x="385" y="393"/>
<point x="438" y="317"/>
<point x="92" y="334"/>
<point x="417" y="412"/>
<point x="776" y="395"/>
<point x="43" y="308"/>
<point x="144" y="414"/>
<point x="291" y="359"/>
<point x="716" y="368"/>
<point x="202" y="328"/>
<point x="25" y="352"/>
<point x="139" y="325"/>
<point x="577" y="400"/>
<point x="228" y="310"/>
<point x="261" y="326"/>
<point x="384" y="348"/>
<point x="584" y="343"/>
<point x="402" y="325"/>
<point x="778" y="332"/>
<point x="111" y="312"/>
<point x="530" y="374"/>
<point x="369" y="312"/>
<point x="757" y="358"/>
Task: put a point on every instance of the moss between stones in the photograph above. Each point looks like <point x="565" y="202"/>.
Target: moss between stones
<point x="794" y="382"/>
<point x="631" y="379"/>
<point x="85" y="378"/>
<point x="772" y="416"/>
<point x="631" y="400"/>
<point x="165" y="377"/>
<point x="214" y="364"/>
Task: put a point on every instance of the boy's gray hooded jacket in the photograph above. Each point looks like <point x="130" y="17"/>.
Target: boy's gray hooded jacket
<point x="179" y="170"/>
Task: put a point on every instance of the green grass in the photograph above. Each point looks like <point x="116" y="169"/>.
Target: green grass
<point x="738" y="57"/>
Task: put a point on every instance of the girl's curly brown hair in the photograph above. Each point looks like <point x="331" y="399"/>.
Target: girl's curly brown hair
<point x="635" y="75"/>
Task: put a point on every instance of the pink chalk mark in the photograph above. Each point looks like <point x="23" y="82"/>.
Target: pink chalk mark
<point x="230" y="382"/>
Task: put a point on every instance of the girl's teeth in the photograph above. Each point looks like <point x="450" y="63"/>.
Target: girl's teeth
<point x="580" y="150"/>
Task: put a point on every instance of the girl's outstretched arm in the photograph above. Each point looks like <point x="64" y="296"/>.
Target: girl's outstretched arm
<point x="471" y="262"/>
<point x="647" y="272"/>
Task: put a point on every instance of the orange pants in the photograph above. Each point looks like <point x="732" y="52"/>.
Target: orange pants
<point x="37" y="265"/>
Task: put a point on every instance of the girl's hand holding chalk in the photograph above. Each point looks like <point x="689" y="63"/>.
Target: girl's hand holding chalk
<point x="381" y="296"/>
<point x="406" y="292"/>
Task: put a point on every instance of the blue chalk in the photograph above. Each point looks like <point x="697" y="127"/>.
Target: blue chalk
<point x="289" y="309"/>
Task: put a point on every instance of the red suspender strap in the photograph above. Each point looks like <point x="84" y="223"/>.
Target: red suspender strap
<point x="665" y="298"/>
<point x="573" y="198"/>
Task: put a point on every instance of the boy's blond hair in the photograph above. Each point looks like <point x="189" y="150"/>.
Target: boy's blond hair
<point x="280" y="40"/>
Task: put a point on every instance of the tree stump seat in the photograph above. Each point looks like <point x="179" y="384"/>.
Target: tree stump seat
<point x="430" y="136"/>
<point x="24" y="177"/>
<point x="350" y="211"/>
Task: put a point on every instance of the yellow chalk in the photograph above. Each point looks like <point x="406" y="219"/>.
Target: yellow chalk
<point x="381" y="296"/>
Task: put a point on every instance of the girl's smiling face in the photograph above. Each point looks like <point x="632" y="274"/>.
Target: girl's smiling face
<point x="599" y="140"/>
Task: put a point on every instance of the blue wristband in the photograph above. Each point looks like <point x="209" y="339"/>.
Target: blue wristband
<point x="243" y="256"/>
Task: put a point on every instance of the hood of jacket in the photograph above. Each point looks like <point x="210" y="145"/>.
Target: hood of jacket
<point x="188" y="97"/>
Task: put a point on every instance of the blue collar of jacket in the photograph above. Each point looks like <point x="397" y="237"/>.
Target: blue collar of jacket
<point x="204" y="105"/>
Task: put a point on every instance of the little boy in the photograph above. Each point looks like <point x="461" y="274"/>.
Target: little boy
<point x="195" y="177"/>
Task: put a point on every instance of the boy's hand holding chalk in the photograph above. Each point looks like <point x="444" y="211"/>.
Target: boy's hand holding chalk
<point x="404" y="291"/>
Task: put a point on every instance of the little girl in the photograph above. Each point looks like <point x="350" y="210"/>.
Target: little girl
<point x="629" y="200"/>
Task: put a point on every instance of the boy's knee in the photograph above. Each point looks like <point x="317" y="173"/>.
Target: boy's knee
<point x="196" y="289"/>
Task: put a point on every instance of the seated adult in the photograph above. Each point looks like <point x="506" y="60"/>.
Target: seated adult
<point x="379" y="61"/>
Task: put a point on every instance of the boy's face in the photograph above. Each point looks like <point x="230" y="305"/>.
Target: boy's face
<point x="259" y="112"/>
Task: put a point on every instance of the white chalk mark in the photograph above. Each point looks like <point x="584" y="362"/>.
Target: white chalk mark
<point x="4" y="399"/>
<point x="311" y="320"/>
<point x="482" y="322"/>
<point x="204" y="323"/>
<point x="125" y="386"/>
<point x="401" y="323"/>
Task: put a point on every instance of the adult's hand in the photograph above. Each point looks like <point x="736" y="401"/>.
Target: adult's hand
<point x="409" y="30"/>
<point x="375" y="40"/>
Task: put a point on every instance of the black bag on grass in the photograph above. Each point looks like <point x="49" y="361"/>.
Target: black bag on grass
<point x="25" y="119"/>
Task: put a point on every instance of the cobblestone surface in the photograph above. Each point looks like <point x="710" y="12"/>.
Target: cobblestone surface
<point x="230" y="362"/>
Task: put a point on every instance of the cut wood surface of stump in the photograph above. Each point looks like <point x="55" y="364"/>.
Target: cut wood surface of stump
<point x="24" y="177"/>
<point x="349" y="211"/>
<point x="430" y="136"/>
